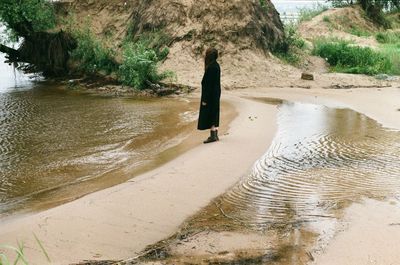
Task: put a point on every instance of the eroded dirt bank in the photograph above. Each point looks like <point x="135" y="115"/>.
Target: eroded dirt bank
<point x="120" y="222"/>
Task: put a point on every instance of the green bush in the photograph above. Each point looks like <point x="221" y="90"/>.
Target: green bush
<point x="359" y="32"/>
<point x="388" y="37"/>
<point x="344" y="57"/>
<point x="341" y="3"/>
<point x="264" y="5"/>
<point x="290" y="50"/>
<point x="140" y="65"/>
<point x="326" y="19"/>
<point x="39" y="14"/>
<point x="156" y="40"/>
<point x="91" y="54"/>
<point x="392" y="52"/>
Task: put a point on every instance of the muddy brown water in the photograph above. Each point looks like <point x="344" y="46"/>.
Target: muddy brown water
<point x="320" y="157"/>
<point x="290" y="203"/>
<point x="57" y="145"/>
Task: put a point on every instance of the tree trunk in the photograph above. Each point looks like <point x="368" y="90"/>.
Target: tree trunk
<point x="12" y="53"/>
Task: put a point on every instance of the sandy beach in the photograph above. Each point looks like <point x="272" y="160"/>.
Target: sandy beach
<point x="119" y="222"/>
<point x="369" y="230"/>
<point x="306" y="170"/>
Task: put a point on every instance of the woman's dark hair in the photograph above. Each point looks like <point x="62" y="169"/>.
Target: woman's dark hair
<point x="211" y="56"/>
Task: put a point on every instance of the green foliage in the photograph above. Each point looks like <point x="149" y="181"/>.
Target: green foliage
<point x="326" y="19"/>
<point x="392" y="52"/>
<point x="306" y="14"/>
<point x="366" y="4"/>
<point x="42" y="247"/>
<point x="290" y="49"/>
<point x="27" y="15"/>
<point x="293" y="37"/>
<point x="19" y="252"/>
<point x="347" y="58"/>
<point x="140" y="65"/>
<point x="344" y="23"/>
<point x="341" y="3"/>
<point x="373" y="8"/>
<point x="264" y="5"/>
<point x="354" y="30"/>
<point x="388" y="37"/>
<point x="393" y="18"/>
<point x="156" y="40"/>
<point x="91" y="53"/>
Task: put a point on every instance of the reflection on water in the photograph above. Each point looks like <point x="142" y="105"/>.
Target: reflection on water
<point x="321" y="157"/>
<point x="52" y="139"/>
<point x="11" y="79"/>
<point x="321" y="160"/>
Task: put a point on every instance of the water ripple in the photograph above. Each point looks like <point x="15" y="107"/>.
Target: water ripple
<point x="320" y="156"/>
<point x="51" y="139"/>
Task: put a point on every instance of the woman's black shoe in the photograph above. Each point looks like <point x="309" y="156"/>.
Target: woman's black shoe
<point x="213" y="137"/>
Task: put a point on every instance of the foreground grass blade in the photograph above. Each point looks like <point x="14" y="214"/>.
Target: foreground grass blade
<point x="41" y="246"/>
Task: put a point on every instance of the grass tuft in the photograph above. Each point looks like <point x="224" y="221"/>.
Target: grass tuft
<point x="347" y="58"/>
<point x="20" y="256"/>
<point x="140" y="65"/>
<point x="388" y="37"/>
<point x="291" y="49"/>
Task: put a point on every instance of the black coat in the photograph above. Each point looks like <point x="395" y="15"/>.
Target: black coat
<point x="210" y="94"/>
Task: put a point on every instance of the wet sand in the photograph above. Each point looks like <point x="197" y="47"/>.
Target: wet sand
<point x="370" y="235"/>
<point x="118" y="222"/>
<point x="368" y="232"/>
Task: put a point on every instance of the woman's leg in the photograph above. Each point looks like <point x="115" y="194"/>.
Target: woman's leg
<point x="213" y="135"/>
<point x="215" y="130"/>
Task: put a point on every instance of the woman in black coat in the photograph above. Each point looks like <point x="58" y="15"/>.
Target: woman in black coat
<point x="210" y="96"/>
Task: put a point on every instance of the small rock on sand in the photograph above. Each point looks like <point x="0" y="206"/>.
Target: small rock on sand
<point x="307" y="76"/>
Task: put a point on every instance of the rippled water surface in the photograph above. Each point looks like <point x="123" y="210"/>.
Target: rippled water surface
<point x="321" y="157"/>
<point x="56" y="145"/>
<point x="291" y="202"/>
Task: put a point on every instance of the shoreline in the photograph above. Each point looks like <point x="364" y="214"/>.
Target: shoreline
<point x="368" y="231"/>
<point x="116" y="223"/>
<point x="177" y="139"/>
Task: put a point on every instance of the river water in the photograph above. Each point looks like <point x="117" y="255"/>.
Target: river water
<point x="289" y="9"/>
<point x="57" y="145"/>
<point x="291" y="201"/>
<point x="321" y="157"/>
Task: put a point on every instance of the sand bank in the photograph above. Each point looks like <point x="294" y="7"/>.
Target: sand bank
<point x="370" y="230"/>
<point x="371" y="236"/>
<point x="120" y="221"/>
<point x="380" y="104"/>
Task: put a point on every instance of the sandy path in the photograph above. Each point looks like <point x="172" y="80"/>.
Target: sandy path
<point x="120" y="221"/>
